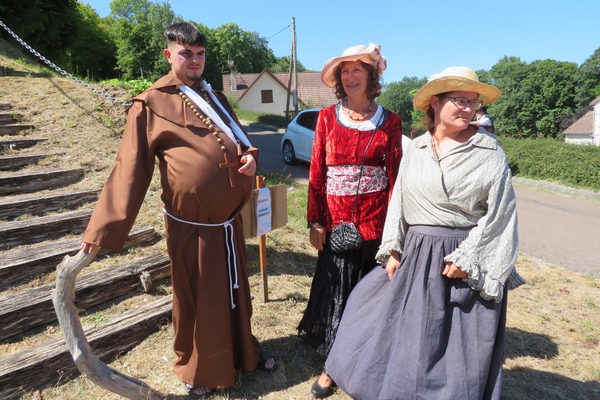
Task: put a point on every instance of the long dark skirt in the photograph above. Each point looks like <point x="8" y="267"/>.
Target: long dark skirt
<point x="421" y="335"/>
<point x="336" y="275"/>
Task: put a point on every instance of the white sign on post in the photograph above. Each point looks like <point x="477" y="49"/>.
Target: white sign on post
<point x="263" y="211"/>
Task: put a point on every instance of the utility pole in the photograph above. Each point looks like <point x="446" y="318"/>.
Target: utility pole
<point x="294" y="74"/>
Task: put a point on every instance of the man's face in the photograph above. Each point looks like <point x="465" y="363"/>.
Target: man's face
<point x="187" y="62"/>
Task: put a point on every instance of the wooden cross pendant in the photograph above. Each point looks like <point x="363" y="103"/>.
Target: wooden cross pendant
<point x="228" y="165"/>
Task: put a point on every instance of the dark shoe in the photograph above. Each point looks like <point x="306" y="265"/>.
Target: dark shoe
<point x="320" y="392"/>
<point x="191" y="391"/>
<point x="262" y="362"/>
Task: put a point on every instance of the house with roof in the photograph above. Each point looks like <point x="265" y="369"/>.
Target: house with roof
<point x="267" y="92"/>
<point x="586" y="130"/>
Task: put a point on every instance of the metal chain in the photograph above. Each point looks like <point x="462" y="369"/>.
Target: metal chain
<point x="63" y="72"/>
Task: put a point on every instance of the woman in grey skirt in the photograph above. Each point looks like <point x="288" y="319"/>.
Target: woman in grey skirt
<point x="431" y="324"/>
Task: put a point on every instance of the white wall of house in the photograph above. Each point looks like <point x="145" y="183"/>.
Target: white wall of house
<point x="578" y="138"/>
<point x="596" y="125"/>
<point x="252" y="100"/>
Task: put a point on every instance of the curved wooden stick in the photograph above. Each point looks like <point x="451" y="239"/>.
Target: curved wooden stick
<point x="85" y="359"/>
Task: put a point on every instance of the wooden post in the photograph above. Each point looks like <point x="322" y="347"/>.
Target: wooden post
<point x="85" y="359"/>
<point x="262" y="249"/>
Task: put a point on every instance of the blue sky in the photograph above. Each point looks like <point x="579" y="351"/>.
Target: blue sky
<point x="418" y="37"/>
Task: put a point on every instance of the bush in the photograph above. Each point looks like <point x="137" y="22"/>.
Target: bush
<point x="555" y="161"/>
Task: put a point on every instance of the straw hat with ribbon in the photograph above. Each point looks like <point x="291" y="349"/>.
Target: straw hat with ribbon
<point x="370" y="54"/>
<point x="454" y="79"/>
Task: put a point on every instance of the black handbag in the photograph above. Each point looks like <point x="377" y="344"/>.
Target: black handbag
<point x="345" y="236"/>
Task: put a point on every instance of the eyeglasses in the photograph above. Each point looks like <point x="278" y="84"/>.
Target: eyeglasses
<point x="462" y="103"/>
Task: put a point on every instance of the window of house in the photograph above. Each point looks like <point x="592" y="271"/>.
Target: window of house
<point x="267" y="96"/>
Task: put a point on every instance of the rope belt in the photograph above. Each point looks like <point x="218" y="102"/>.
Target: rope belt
<point x="230" y="249"/>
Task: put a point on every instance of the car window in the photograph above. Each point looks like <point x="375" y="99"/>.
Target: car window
<point x="308" y="119"/>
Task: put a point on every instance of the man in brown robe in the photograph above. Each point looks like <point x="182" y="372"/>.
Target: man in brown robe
<point x="206" y="180"/>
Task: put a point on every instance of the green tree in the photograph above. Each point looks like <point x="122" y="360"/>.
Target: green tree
<point x="588" y="80"/>
<point x="398" y="97"/>
<point x="138" y="27"/>
<point x="282" y="64"/>
<point x="91" y="51"/>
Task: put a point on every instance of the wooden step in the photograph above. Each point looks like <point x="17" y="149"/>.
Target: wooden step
<point x="29" y="182"/>
<point x="33" y="307"/>
<point x="41" y="366"/>
<point x="22" y="264"/>
<point x="5" y="106"/>
<point x="10" y="118"/>
<point x="14" y="129"/>
<point x="39" y="229"/>
<point x="12" y="207"/>
<point x="18" y="161"/>
<point x="19" y="143"/>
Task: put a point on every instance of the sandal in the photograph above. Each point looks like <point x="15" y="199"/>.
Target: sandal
<point x="262" y="361"/>
<point x="191" y="391"/>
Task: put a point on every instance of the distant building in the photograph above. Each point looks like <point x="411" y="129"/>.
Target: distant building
<point x="586" y="130"/>
<point x="267" y="92"/>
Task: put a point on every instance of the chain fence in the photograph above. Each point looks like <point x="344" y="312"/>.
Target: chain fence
<point x="61" y="71"/>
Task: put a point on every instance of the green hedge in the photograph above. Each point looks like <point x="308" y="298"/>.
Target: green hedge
<point x="554" y="161"/>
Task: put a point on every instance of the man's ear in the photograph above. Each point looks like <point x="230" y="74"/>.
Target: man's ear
<point x="167" y="54"/>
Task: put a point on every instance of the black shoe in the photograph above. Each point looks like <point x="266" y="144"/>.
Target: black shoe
<point x="320" y="392"/>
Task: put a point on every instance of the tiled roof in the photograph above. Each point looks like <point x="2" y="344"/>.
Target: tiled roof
<point x="311" y="91"/>
<point x="585" y="124"/>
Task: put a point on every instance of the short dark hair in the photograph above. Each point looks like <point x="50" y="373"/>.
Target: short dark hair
<point x="184" y="33"/>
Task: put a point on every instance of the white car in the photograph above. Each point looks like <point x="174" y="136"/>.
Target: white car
<point x="297" y="141"/>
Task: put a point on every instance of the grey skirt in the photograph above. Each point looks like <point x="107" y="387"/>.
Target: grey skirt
<point x="420" y="335"/>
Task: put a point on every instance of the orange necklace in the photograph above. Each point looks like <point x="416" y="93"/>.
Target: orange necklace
<point x="206" y="120"/>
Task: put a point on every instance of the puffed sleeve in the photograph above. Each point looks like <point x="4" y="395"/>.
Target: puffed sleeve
<point x="394" y="229"/>
<point x="489" y="253"/>
<point x="317" y="202"/>
<point x="126" y="187"/>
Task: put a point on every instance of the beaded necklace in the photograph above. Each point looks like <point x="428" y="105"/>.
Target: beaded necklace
<point x="206" y="120"/>
<point x="352" y="114"/>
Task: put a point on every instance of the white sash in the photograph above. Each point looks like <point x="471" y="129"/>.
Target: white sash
<point x="214" y="117"/>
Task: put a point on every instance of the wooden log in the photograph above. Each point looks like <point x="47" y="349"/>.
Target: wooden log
<point x="33" y="307"/>
<point x="19" y="143"/>
<point x="21" y="264"/>
<point x="5" y="106"/>
<point x="40" y="204"/>
<point x="39" y="229"/>
<point x="29" y="182"/>
<point x="41" y="366"/>
<point x="20" y="160"/>
<point x="12" y="130"/>
<point x="10" y="118"/>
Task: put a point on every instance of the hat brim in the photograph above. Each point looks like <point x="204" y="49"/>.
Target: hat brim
<point x="487" y="93"/>
<point x="328" y="71"/>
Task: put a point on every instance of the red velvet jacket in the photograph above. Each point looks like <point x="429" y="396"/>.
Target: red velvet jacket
<point x="335" y="144"/>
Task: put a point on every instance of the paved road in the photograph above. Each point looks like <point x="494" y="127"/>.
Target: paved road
<point x="555" y="228"/>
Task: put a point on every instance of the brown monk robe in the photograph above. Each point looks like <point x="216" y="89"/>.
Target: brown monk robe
<point x="211" y="337"/>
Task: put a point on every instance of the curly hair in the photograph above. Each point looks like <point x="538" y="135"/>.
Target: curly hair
<point x="373" y="82"/>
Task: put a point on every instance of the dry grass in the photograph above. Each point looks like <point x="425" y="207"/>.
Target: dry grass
<point x="553" y="339"/>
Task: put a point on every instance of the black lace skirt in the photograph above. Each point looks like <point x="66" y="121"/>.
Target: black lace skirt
<point x="336" y="275"/>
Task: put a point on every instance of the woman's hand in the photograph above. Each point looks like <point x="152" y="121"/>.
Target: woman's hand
<point x="317" y="236"/>
<point x="392" y="264"/>
<point x="452" y="271"/>
<point x="248" y="165"/>
<point x="87" y="247"/>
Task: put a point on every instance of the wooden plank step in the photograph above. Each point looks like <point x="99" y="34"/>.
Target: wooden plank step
<point x="14" y="129"/>
<point x="5" y="106"/>
<point x="12" y="207"/>
<point x="29" y="182"/>
<point x="38" y="229"/>
<point x="19" y="143"/>
<point x="41" y="366"/>
<point x="33" y="307"/>
<point x="17" y="161"/>
<point x="21" y="264"/>
<point x="10" y="118"/>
